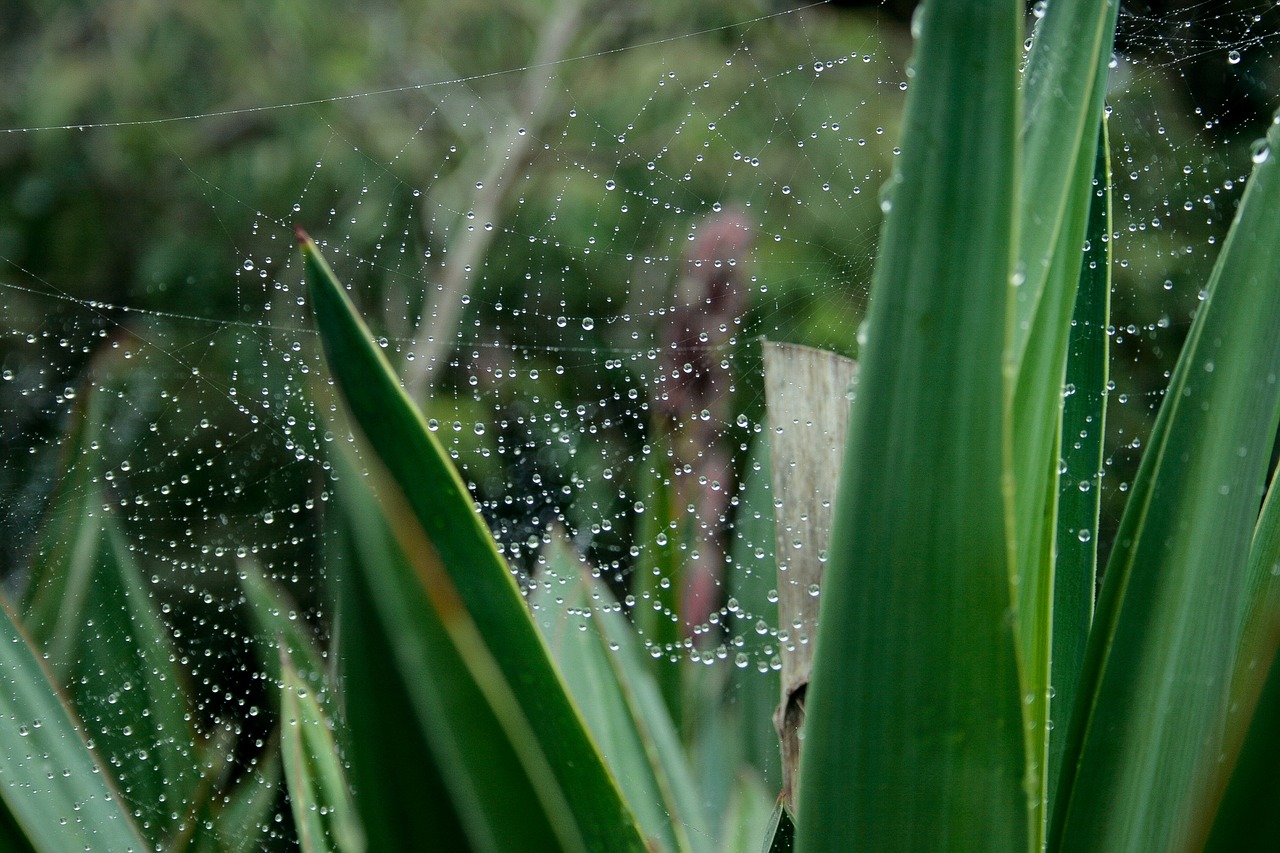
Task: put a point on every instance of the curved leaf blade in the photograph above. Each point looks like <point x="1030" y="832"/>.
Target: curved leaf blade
<point x="1156" y="681"/>
<point x="485" y="750"/>
<point x="318" y="791"/>
<point x="445" y="510"/>
<point x="1246" y="814"/>
<point x="596" y="647"/>
<point x="57" y="794"/>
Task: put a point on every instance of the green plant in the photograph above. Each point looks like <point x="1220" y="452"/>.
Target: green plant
<point x="967" y="694"/>
<point x="959" y="620"/>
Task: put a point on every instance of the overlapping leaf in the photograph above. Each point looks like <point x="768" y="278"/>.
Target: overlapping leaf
<point x="55" y="795"/>
<point x="597" y="650"/>
<point x="457" y="573"/>
<point x="1157" y="675"/>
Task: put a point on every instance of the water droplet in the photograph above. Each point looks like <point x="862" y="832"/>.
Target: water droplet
<point x="1233" y="57"/>
<point x="588" y="324"/>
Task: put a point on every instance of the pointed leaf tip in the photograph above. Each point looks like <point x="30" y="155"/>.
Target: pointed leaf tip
<point x="301" y="235"/>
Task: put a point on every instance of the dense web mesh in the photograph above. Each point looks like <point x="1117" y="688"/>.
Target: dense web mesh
<point x="570" y="230"/>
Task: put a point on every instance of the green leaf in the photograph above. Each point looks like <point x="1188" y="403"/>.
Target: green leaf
<point x="323" y="809"/>
<point x="1064" y="86"/>
<point x="1080" y="486"/>
<point x="754" y="686"/>
<point x="916" y="651"/>
<point x="246" y="811"/>
<point x="278" y="623"/>
<point x="486" y="589"/>
<point x="54" y="791"/>
<point x="131" y="693"/>
<point x="103" y="637"/>
<point x="1246" y="813"/>
<point x="597" y="650"/>
<point x="1063" y="89"/>
<point x="747" y="819"/>
<point x="489" y="757"/>
<point x="1154" y="689"/>
<point x="69" y="544"/>
<point x="780" y="835"/>
<point x="661" y="532"/>
<point x="402" y="797"/>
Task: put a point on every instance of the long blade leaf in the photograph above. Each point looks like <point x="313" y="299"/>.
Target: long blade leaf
<point x="51" y="787"/>
<point x="1247" y="811"/>
<point x="446" y="512"/>
<point x="1080" y="487"/>
<point x="597" y="649"/>
<point x="1063" y="90"/>
<point x="487" y="753"/>
<point x="1157" y="674"/>
<point x="914" y="736"/>
<point x="318" y="791"/>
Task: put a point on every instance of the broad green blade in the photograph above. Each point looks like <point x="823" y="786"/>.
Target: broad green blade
<point x="752" y="577"/>
<point x="596" y="648"/>
<point x="1037" y="417"/>
<point x="1080" y="486"/>
<point x="278" y="624"/>
<point x="1247" y="817"/>
<point x="1261" y="635"/>
<point x="715" y="742"/>
<point x="323" y="810"/>
<point x="276" y="617"/>
<point x="490" y="758"/>
<point x="54" y="792"/>
<point x="915" y="734"/>
<point x="485" y="586"/>
<point x="747" y="820"/>
<point x="1157" y="673"/>
<point x="781" y="831"/>
<point x="399" y="790"/>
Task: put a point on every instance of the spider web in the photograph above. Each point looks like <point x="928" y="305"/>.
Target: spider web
<point x="569" y="233"/>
